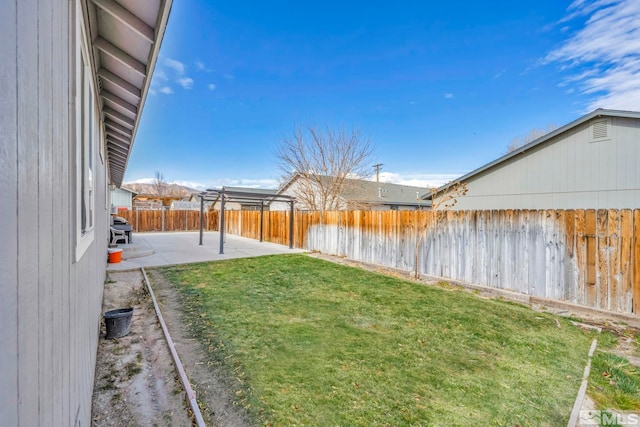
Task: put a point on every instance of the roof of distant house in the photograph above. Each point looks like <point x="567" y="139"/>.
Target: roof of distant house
<point x="543" y="139"/>
<point x="377" y="193"/>
<point x="127" y="189"/>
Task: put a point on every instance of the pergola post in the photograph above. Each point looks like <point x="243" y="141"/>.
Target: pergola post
<point x="222" y="224"/>
<point x="291" y="225"/>
<point x="201" y="217"/>
<point x="248" y="197"/>
<point x="261" y="218"/>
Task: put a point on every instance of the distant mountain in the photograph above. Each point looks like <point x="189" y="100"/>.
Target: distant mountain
<point x="171" y="189"/>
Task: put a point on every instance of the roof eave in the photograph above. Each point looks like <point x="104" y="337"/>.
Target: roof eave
<point x="153" y="58"/>
<point x="117" y="167"/>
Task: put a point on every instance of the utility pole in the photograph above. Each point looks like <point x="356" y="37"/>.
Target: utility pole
<point x="377" y="167"/>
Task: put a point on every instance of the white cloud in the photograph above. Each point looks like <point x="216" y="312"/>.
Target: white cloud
<point x="191" y="184"/>
<point x="166" y="90"/>
<point x="141" y="181"/>
<point x="185" y="82"/>
<point x="448" y="95"/>
<point x="212" y="86"/>
<point x="417" y="180"/>
<point x="228" y="76"/>
<point x="152" y="91"/>
<point x="160" y="75"/>
<point x="604" y="52"/>
<point x="177" y="66"/>
<point x="200" y="66"/>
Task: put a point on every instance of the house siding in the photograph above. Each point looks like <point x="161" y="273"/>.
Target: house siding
<point x="570" y="171"/>
<point x="49" y="304"/>
<point x="121" y="198"/>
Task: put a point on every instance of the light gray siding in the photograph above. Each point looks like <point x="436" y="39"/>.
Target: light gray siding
<point x="569" y="171"/>
<point x="49" y="302"/>
<point x="121" y="198"/>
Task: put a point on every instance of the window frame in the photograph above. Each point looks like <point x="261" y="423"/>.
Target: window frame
<point x="85" y="138"/>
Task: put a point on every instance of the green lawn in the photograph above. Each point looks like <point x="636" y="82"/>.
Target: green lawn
<point x="315" y="343"/>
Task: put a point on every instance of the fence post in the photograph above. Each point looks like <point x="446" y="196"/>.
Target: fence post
<point x="201" y="217"/>
<point x="162" y="221"/>
<point x="137" y="228"/>
<point x="291" y="226"/>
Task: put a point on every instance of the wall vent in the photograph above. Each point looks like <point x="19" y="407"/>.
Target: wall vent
<point x="600" y="129"/>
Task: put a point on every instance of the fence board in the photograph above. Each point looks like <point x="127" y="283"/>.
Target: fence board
<point x="602" y="262"/>
<point x="636" y="261"/>
<point x="613" y="292"/>
<point x="570" y="273"/>
<point x="591" y="258"/>
<point x="625" y="298"/>
<point x="581" y="256"/>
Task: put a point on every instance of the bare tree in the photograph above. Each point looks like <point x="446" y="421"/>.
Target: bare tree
<point x="441" y="199"/>
<point x="159" y="184"/>
<point x="530" y="136"/>
<point x="323" y="160"/>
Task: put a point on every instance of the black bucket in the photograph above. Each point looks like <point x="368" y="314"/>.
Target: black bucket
<point x="118" y="322"/>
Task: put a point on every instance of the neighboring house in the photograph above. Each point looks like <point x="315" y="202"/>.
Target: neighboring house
<point x="184" y="205"/>
<point x="122" y="198"/>
<point x="153" y="201"/>
<point x="74" y="75"/>
<point x="592" y="162"/>
<point x="358" y="194"/>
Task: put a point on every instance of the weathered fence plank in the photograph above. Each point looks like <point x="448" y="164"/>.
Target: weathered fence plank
<point x="591" y="258"/>
<point x="625" y="298"/>
<point x="636" y="261"/>
<point x="602" y="255"/>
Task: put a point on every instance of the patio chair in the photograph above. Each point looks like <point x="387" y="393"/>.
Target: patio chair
<point x="117" y="235"/>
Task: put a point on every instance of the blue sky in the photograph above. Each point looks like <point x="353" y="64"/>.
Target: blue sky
<point x="440" y="88"/>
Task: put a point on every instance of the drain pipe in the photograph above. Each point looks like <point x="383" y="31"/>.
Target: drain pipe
<point x="191" y="395"/>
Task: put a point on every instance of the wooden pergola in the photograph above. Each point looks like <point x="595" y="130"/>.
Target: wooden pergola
<point x="251" y="198"/>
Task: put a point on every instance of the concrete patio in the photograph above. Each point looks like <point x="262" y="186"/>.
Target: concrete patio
<point x="156" y="249"/>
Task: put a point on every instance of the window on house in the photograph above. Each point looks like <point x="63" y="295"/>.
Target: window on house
<point x="86" y="138"/>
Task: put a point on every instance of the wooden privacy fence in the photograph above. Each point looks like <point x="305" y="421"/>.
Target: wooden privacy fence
<point x="587" y="257"/>
<point x="168" y="220"/>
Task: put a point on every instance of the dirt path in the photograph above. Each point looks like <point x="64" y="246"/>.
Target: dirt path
<point x="136" y="383"/>
<point x="213" y="387"/>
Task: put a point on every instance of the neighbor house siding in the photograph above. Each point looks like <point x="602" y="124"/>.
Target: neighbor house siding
<point x="121" y="198"/>
<point x="49" y="303"/>
<point x="570" y="171"/>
